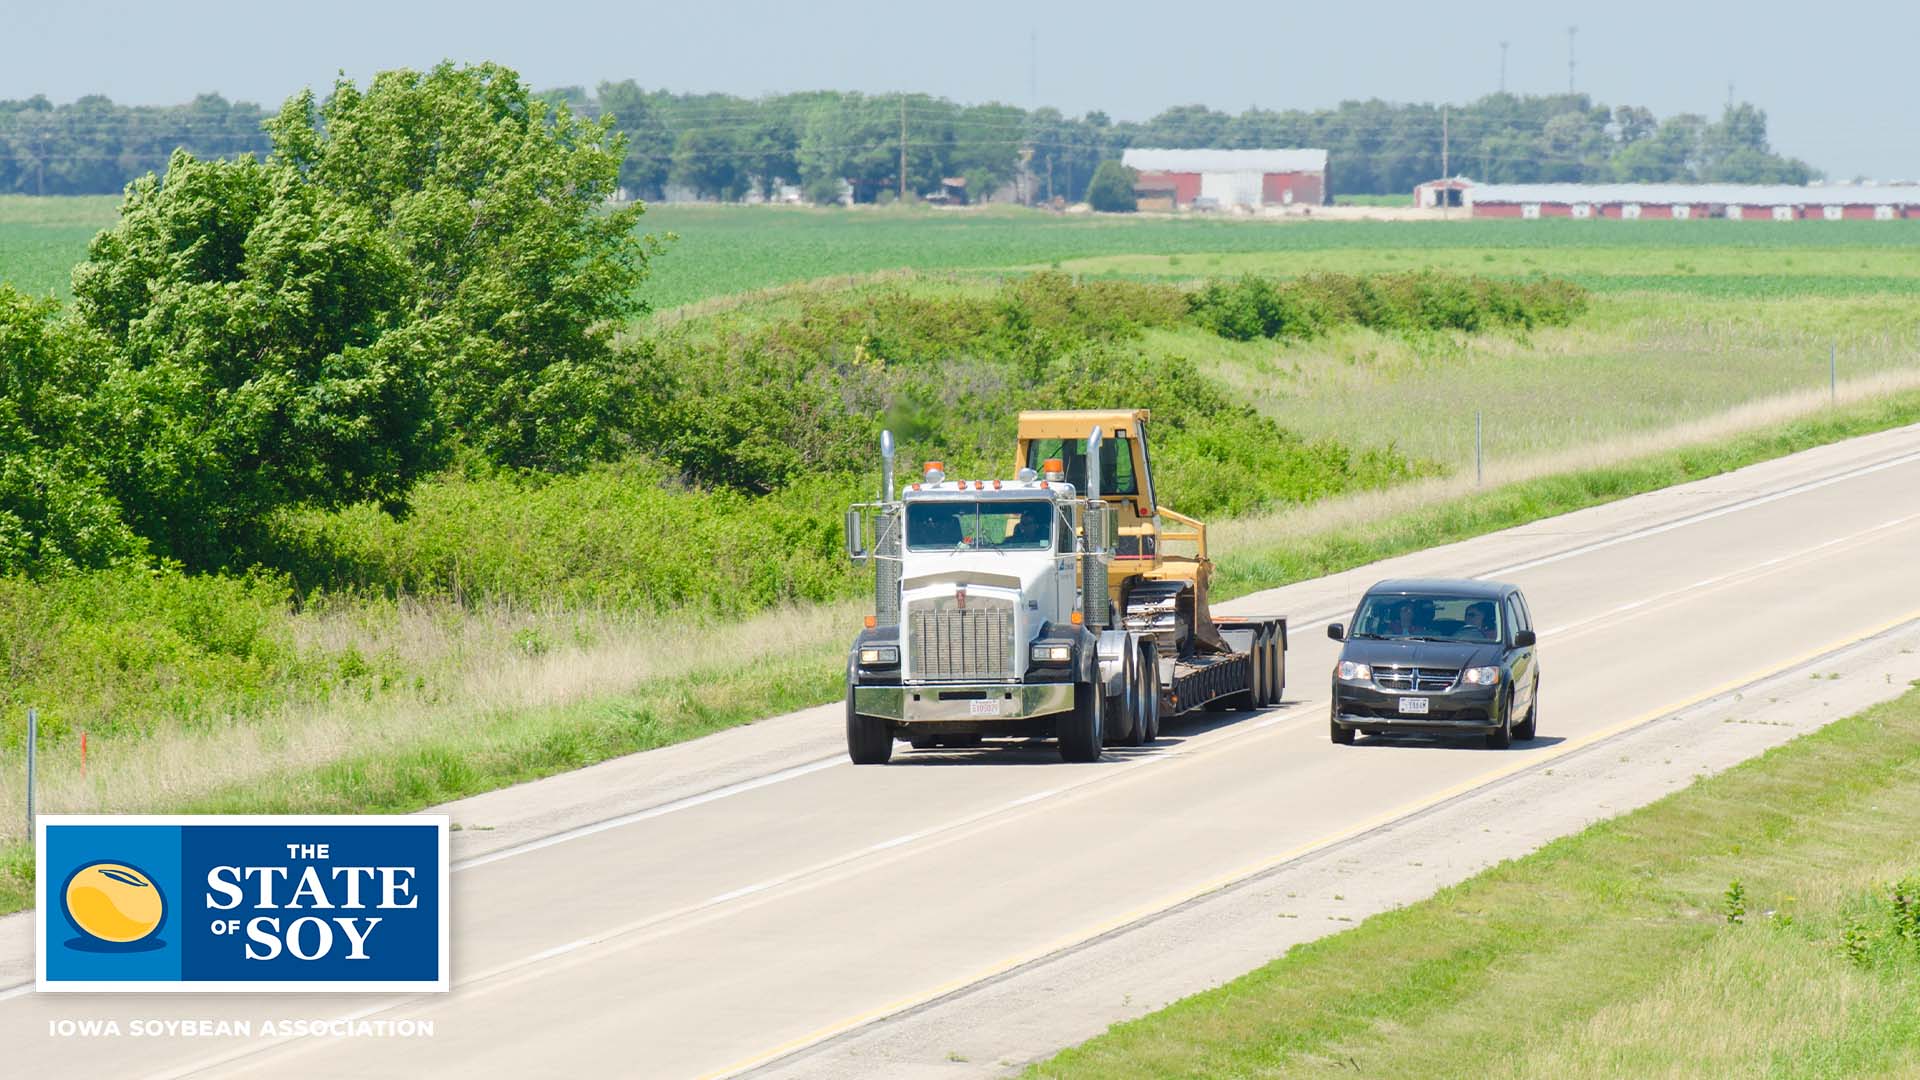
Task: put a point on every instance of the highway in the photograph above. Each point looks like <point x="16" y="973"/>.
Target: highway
<point x="752" y="899"/>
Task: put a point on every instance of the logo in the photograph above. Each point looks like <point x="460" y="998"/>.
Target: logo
<point x="114" y="905"/>
<point x="220" y="903"/>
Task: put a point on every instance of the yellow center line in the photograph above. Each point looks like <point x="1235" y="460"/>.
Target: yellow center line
<point x="1260" y="866"/>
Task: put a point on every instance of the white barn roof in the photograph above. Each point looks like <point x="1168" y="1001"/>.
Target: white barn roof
<point x="1204" y="161"/>
<point x="1697" y="194"/>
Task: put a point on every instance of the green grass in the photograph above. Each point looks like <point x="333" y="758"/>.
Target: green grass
<point x="1251" y="566"/>
<point x="439" y="755"/>
<point x="1732" y="265"/>
<point x="1610" y="953"/>
<point x="724" y="250"/>
<point x="1636" y="363"/>
<point x="42" y="238"/>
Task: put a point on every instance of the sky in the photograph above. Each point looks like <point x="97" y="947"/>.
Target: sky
<point x="1833" y="79"/>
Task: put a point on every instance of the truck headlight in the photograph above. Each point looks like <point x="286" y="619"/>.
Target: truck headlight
<point x="1352" y="672"/>
<point x="1046" y="653"/>
<point x="879" y="655"/>
<point x="1481" y="676"/>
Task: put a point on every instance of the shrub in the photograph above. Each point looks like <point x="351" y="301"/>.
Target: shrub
<point x="1111" y="189"/>
<point x="1253" y="307"/>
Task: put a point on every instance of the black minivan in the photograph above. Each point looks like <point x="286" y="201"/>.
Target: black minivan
<point x="1437" y="655"/>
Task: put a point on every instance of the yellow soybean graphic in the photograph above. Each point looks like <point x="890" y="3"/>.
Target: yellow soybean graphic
<point x="114" y="902"/>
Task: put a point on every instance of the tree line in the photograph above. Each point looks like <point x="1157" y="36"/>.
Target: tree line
<point x="719" y="146"/>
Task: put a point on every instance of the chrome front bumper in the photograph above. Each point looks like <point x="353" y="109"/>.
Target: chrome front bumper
<point x="944" y="703"/>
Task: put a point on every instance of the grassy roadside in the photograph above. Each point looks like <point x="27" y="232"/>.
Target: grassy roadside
<point x="1758" y="923"/>
<point x="406" y="758"/>
<point x="1249" y="566"/>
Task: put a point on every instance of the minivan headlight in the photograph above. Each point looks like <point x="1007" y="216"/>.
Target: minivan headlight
<point x="1352" y="672"/>
<point x="1481" y="676"/>
<point x="879" y="655"/>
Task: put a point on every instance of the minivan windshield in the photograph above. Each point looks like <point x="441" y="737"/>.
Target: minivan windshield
<point x="983" y="525"/>
<point x="1428" y="618"/>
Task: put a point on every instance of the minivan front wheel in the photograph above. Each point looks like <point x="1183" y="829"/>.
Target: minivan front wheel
<point x="1502" y="737"/>
<point x="1525" y="731"/>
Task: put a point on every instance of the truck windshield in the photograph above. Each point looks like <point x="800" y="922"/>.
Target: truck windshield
<point x="988" y="524"/>
<point x="1428" y="618"/>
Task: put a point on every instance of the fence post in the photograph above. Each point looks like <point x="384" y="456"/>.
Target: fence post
<point x="33" y="737"/>
<point x="1833" y="373"/>
<point x="1479" y="472"/>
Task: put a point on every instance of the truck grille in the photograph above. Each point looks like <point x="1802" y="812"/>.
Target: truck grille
<point x="1430" y="679"/>
<point x="946" y="643"/>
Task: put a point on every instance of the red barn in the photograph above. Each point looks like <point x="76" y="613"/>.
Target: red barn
<point x="1224" y="179"/>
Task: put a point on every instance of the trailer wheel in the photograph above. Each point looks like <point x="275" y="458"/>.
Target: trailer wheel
<point x="1257" y="670"/>
<point x="1276" y="672"/>
<point x="1150" y="689"/>
<point x="869" y="738"/>
<point x="1079" y="730"/>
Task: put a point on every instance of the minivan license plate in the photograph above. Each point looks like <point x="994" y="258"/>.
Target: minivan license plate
<point x="989" y="708"/>
<point x="1413" y="706"/>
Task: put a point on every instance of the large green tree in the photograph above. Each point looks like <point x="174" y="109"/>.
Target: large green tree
<point x="497" y="205"/>
<point x="55" y="510"/>
<point x="265" y="352"/>
<point x="422" y="267"/>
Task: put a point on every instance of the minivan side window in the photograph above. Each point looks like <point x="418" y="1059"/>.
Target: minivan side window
<point x="1526" y="613"/>
<point x="1514" y="619"/>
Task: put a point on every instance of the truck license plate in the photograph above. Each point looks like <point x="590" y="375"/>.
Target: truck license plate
<point x="985" y="708"/>
<point x="1413" y="706"/>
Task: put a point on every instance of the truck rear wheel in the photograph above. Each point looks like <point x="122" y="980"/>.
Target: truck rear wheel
<point x="1079" y="730"/>
<point x="869" y="738"/>
<point x="1150" y="690"/>
<point x="1130" y="701"/>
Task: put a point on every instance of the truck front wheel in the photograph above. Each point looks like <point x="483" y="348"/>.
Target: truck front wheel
<point x="1080" y="735"/>
<point x="869" y="738"/>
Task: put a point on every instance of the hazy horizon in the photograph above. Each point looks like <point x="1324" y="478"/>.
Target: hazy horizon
<point x="1822" y="86"/>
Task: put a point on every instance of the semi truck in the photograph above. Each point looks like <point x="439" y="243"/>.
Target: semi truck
<point x="1061" y="602"/>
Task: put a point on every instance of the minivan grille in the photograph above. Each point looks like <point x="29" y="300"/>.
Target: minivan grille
<point x="1401" y="678"/>
<point x="959" y="645"/>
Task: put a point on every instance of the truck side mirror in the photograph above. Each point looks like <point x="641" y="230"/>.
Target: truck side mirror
<point x="1336" y="631"/>
<point x="856" y="547"/>
<point x="1523" y="639"/>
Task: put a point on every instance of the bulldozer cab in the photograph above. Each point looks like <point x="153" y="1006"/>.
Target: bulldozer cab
<point x="1153" y="543"/>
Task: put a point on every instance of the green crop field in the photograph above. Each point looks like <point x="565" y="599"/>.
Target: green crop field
<point x="725" y="250"/>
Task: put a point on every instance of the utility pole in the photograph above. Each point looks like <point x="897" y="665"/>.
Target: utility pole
<point x="1503" y="66"/>
<point x="1033" y="70"/>
<point x="903" y="148"/>
<point x="1446" y="185"/>
<point x="1572" y="32"/>
<point x="1729" y="93"/>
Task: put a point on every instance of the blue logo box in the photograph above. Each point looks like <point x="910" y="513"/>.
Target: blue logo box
<point x="351" y="904"/>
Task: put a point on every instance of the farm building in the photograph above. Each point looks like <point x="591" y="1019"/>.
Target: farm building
<point x="1224" y="179"/>
<point x="1746" y="202"/>
<point x="1438" y="194"/>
